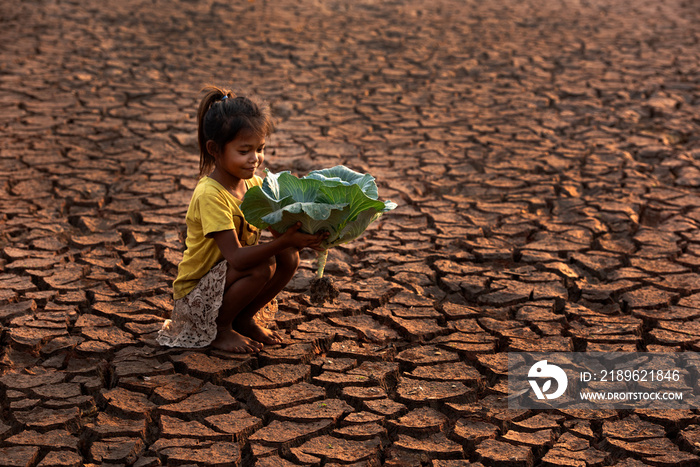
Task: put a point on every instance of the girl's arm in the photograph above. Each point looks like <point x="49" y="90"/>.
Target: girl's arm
<point x="243" y="258"/>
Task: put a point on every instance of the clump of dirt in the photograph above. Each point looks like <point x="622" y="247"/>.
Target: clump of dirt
<point x="322" y="290"/>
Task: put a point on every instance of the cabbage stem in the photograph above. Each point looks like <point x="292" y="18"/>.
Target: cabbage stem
<point x="321" y="263"/>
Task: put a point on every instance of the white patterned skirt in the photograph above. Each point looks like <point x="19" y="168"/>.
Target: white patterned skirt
<point x="193" y="320"/>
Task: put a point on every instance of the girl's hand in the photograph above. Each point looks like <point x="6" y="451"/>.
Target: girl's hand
<point x="299" y="240"/>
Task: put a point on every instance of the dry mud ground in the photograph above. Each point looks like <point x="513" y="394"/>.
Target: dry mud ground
<point x="544" y="155"/>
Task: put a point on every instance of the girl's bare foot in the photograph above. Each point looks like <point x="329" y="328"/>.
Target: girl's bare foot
<point x="229" y="340"/>
<point x="258" y="333"/>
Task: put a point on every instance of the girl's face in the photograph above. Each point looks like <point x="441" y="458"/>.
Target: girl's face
<point x="241" y="156"/>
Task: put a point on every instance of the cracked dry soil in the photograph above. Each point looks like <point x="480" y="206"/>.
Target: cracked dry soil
<point x="545" y="159"/>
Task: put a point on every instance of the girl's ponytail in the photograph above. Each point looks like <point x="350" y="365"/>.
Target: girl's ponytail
<point x="222" y="115"/>
<point x="212" y="96"/>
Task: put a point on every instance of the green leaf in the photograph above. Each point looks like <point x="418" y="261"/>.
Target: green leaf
<point x="304" y="191"/>
<point x="341" y="175"/>
<point x="314" y="217"/>
<point x="338" y="200"/>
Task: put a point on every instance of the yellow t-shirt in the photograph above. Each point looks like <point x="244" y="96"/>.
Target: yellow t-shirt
<point x="212" y="209"/>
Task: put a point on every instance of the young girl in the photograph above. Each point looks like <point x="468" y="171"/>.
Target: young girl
<point x="226" y="277"/>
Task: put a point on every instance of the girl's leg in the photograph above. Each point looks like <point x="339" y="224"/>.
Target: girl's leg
<point x="287" y="263"/>
<point x="242" y="287"/>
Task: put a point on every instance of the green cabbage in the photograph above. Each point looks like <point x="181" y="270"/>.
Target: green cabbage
<point x="337" y="200"/>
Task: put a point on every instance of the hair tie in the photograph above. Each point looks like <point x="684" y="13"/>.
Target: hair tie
<point x="225" y="97"/>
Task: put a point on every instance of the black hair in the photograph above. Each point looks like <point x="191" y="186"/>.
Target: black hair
<point x="222" y="116"/>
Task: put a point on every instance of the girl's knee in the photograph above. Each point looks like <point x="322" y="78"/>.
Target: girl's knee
<point x="232" y="274"/>
<point x="265" y="270"/>
<point x="288" y="260"/>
